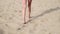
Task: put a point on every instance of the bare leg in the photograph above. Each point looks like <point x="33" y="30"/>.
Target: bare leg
<point x="24" y="3"/>
<point x="29" y="7"/>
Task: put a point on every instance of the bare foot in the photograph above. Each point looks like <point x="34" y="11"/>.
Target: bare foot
<point x="25" y="22"/>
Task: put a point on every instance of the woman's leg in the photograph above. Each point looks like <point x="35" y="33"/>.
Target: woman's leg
<point x="29" y="7"/>
<point x="24" y="3"/>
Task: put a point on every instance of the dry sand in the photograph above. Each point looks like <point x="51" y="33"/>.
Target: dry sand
<point x="45" y="17"/>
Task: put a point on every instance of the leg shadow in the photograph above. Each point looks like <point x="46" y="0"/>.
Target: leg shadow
<point x="45" y="12"/>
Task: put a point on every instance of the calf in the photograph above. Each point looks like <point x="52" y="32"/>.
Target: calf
<point x="24" y="5"/>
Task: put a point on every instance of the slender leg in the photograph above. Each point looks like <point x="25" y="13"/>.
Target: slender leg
<point x="29" y="7"/>
<point x="24" y="3"/>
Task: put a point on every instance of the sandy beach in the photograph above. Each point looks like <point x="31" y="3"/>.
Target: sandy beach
<point x="45" y="17"/>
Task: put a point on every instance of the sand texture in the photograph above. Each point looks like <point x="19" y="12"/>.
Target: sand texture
<point x="45" y="17"/>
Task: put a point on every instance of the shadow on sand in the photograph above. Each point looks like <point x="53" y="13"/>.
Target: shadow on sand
<point x="45" y="12"/>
